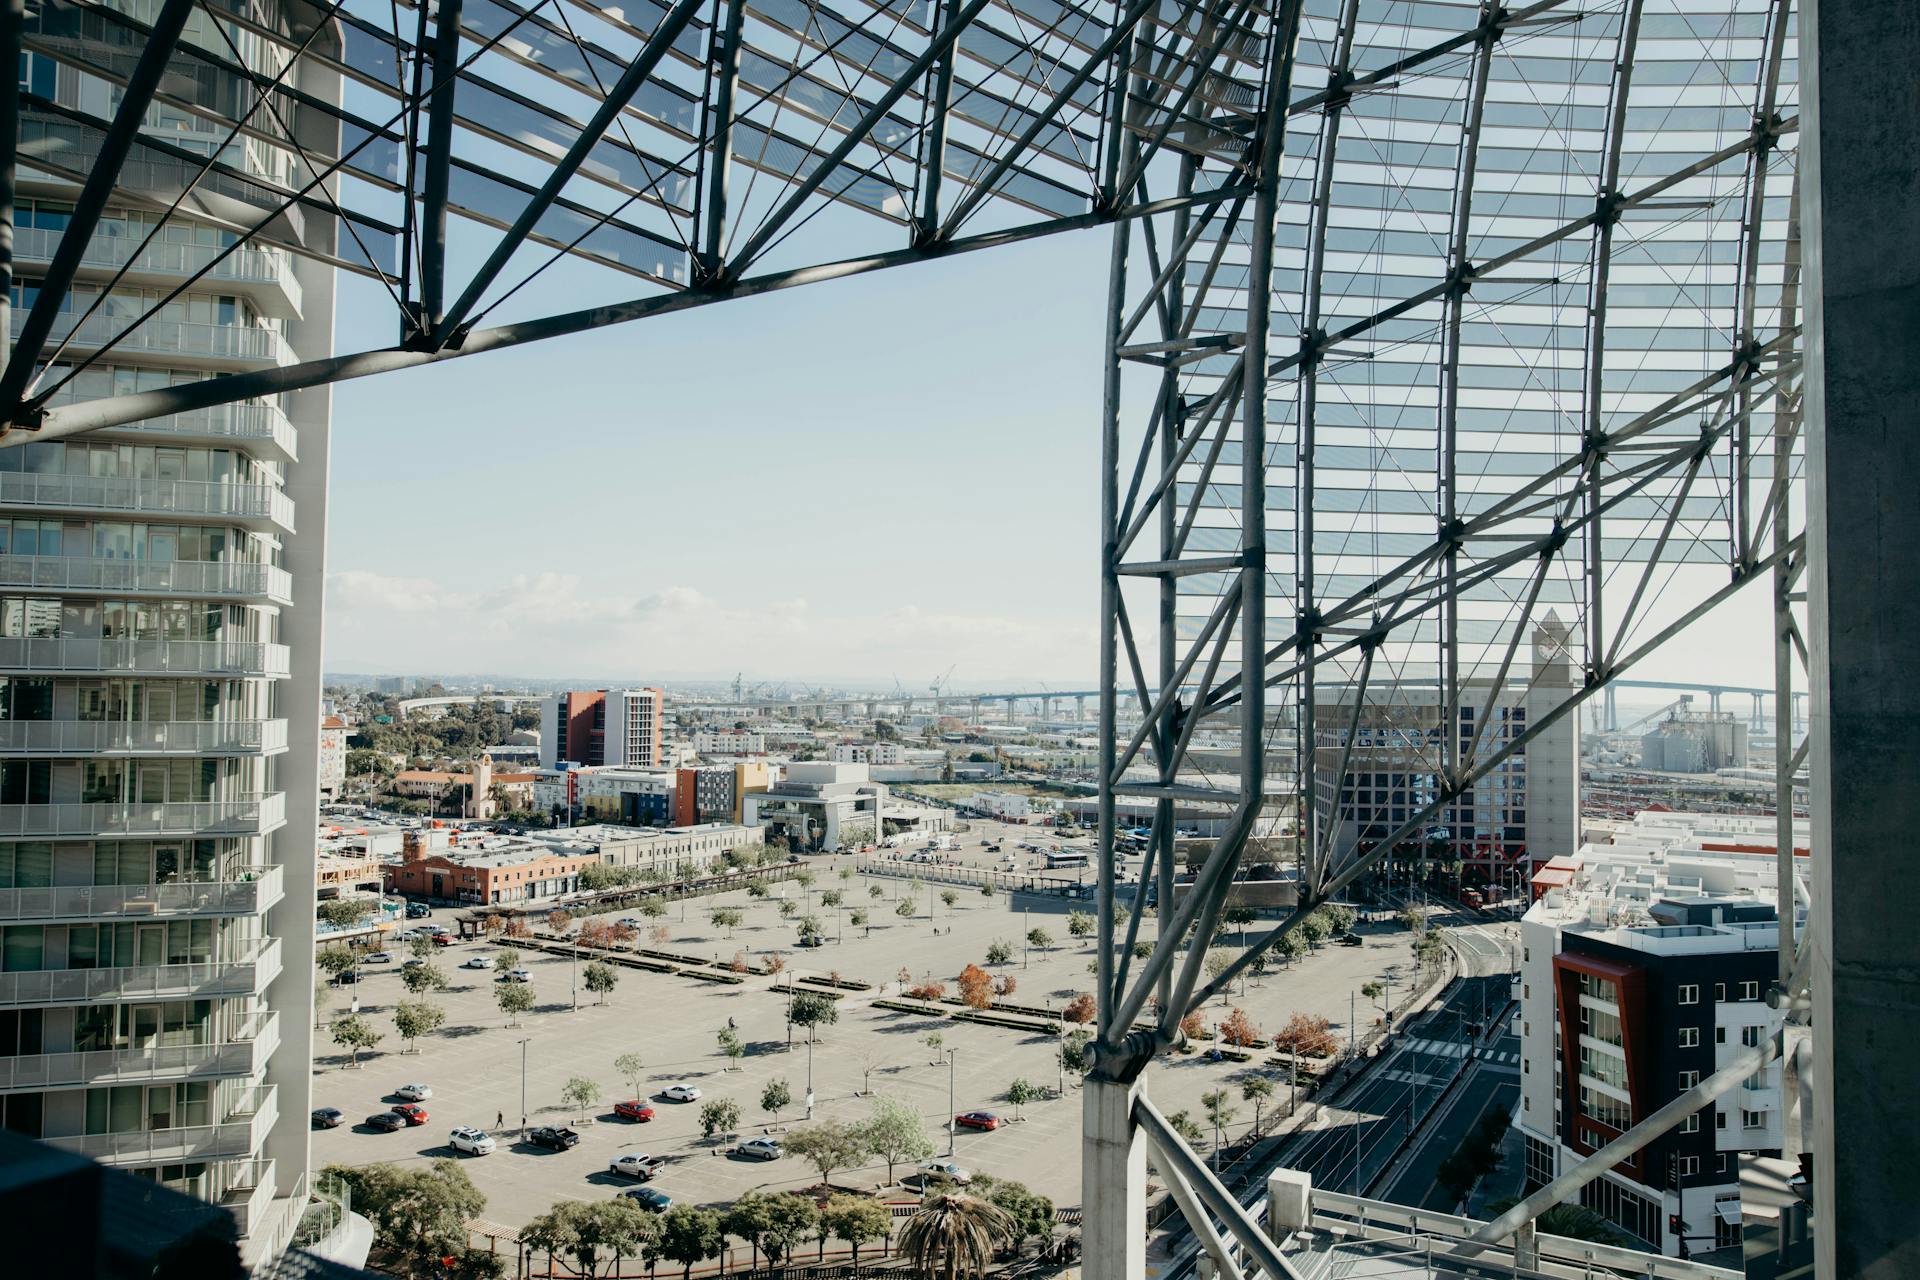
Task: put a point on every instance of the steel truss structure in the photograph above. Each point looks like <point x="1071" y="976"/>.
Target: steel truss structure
<point x="1452" y="348"/>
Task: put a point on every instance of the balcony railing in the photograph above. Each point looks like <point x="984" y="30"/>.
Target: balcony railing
<point x="240" y="1135"/>
<point x="236" y="578"/>
<point x="249" y="1199"/>
<point x="249" y="815"/>
<point x="245" y="1054"/>
<point x="247" y="265"/>
<point x="206" y="980"/>
<point x="87" y="902"/>
<point x="142" y="737"/>
<point x="239" y="345"/>
<point x="44" y="654"/>
<point x="218" y="499"/>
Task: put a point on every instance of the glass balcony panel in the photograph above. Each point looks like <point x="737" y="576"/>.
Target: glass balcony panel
<point x="248" y="975"/>
<point x="43" y="655"/>
<point x="87" y="902"/>
<point x="142" y="737"/>
<point x="240" y="346"/>
<point x="221" y="499"/>
<point x="246" y="815"/>
<point x="236" y="578"/>
<point x="244" y="1053"/>
<point x="240" y="1135"/>
<point x="249" y="265"/>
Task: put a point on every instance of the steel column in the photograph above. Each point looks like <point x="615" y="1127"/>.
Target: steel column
<point x="432" y="224"/>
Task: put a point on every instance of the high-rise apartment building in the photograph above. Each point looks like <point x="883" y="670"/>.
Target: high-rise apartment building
<point x="160" y="650"/>
<point x="622" y="727"/>
<point x="1644" y="969"/>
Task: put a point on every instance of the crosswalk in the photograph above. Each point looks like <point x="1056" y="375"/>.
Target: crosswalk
<point x="1454" y="1049"/>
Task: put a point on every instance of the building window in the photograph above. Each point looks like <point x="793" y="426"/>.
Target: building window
<point x="1719" y="1119"/>
<point x="1691" y="1124"/>
<point x="1688" y="1079"/>
<point x="1750" y="991"/>
<point x="1689" y="1037"/>
<point x="1719" y="1035"/>
<point x="1689" y="993"/>
<point x="1526" y="953"/>
<point x="1689" y="1166"/>
<point x="1719" y="993"/>
<point x="1752" y="1119"/>
<point x="1750" y="1037"/>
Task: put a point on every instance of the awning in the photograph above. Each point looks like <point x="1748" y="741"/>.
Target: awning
<point x="1728" y="1211"/>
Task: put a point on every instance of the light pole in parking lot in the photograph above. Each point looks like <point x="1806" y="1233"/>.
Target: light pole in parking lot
<point x="523" y="1084"/>
<point x="953" y="1125"/>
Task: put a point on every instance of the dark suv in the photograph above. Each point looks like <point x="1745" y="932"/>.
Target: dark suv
<point x="555" y="1138"/>
<point x="418" y="911"/>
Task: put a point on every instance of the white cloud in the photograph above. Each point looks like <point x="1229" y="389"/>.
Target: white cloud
<point x="554" y="624"/>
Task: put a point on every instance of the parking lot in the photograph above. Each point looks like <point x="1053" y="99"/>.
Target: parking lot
<point x="478" y="1066"/>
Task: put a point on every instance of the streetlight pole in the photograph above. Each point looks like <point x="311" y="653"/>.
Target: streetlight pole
<point x="809" y="1073"/>
<point x="523" y="1084"/>
<point x="952" y="1125"/>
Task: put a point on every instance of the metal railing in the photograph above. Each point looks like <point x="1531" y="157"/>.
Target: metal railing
<point x="248" y="264"/>
<point x="168" y="577"/>
<point x="227" y="499"/>
<point x="203" y="979"/>
<point x="240" y="1134"/>
<point x="247" y="1200"/>
<point x="251" y="815"/>
<point x="264" y="887"/>
<point x="44" y="654"/>
<point x="236" y="343"/>
<point x="245" y="1053"/>
<point x="141" y="737"/>
<point x="223" y="422"/>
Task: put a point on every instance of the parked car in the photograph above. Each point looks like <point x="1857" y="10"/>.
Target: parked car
<point x="475" y="1142"/>
<point x="636" y="1165"/>
<point x="1352" y="940"/>
<point x="794" y="857"/>
<point x="681" y="1093"/>
<point x="478" y="962"/>
<point x="412" y="962"/>
<point x="412" y="1112"/>
<point x="386" y="1121"/>
<point x="761" y="1149"/>
<point x="554" y="1137"/>
<point x="635" y="1110"/>
<point x="418" y="911"/>
<point x="811" y="940"/>
<point x="346" y="978"/>
<point x="519" y="975"/>
<point x="947" y="1169"/>
<point x="984" y="1120"/>
<point x="441" y="939"/>
<point x="327" y="1117"/>
<point x="377" y="957"/>
<point x="630" y="922"/>
<point x="648" y="1198"/>
<point x="414" y="1092"/>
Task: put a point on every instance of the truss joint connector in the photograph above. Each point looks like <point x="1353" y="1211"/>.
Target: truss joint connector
<point x="1767" y="132"/>
<point x="1557" y="539"/>
<point x="1124" y="1063"/>
<point x="1608" y="207"/>
<point x="1460" y="280"/>
<point x="1313" y="345"/>
<point x="1306" y="631"/>
<point x="1339" y="91"/>
<point x="1452" y="535"/>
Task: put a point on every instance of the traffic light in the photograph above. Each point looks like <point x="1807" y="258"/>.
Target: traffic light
<point x="1673" y="1223"/>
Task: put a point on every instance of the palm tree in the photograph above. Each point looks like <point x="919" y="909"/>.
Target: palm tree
<point x="953" y="1236"/>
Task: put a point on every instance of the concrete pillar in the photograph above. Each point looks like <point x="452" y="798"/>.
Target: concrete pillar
<point x="1860" y="118"/>
<point x="1113" y="1183"/>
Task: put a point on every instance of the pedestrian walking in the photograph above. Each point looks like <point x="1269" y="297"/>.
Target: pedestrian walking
<point x="499" y="1119"/>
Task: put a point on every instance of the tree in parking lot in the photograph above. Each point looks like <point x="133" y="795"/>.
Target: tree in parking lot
<point x="832" y="898"/>
<point x="1238" y="1030"/>
<point x="999" y="951"/>
<point x="518" y="928"/>
<point x="858" y="919"/>
<point x="335" y="960"/>
<point x="422" y="978"/>
<point x="976" y="987"/>
<point x="591" y="1231"/>
<point x="630" y="1066"/>
<point x="949" y="897"/>
<point x="895" y="1132"/>
<point x="688" y="1235"/>
<point x="730" y="1044"/>
<point x="722" y="1115"/>
<point x="558" y="920"/>
<point x="354" y="1033"/>
<point x="601" y="978"/>
<point x="813" y="1010"/>
<point x="416" y="1018"/>
<point x="1080" y="1009"/>
<point x="1079" y="923"/>
<point x="727" y="918"/>
<point x="579" y="1093"/>
<point x="788" y="908"/>
<point x="775" y="1098"/>
<point x="652" y="908"/>
<point x="422" y="948"/>
<point x="514" y="999"/>
<point x="1306" y="1035"/>
<point x="904" y="908"/>
<point x="344" y="913"/>
<point x="1040" y="938"/>
<point x="1021" y="1092"/>
<point x="875" y="892"/>
<point x="827" y="1145"/>
<point x="506" y="959"/>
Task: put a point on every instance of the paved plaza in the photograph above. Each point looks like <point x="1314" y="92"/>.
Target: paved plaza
<point x="475" y="1064"/>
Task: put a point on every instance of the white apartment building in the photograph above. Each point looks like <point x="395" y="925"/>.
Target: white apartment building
<point x="333" y="758"/>
<point x="820" y="806"/>
<point x="1645" y="966"/>
<point x="728" y="742"/>
<point x="160" y="673"/>
<point x="867" y="753"/>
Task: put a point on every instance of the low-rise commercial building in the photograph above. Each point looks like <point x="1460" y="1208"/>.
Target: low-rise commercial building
<point x="489" y="871"/>
<point x="713" y="793"/>
<point x="867" y="753"/>
<point x="820" y="806"/>
<point x="675" y="851"/>
<point x="630" y="797"/>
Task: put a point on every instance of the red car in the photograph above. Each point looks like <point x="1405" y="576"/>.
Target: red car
<point x="442" y="939"/>
<point x="978" y="1120"/>
<point x="412" y="1112"/>
<point x="638" y="1111"/>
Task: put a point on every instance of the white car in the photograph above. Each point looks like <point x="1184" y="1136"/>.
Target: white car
<point x="761" y="1149"/>
<point x="377" y="957"/>
<point x="414" y="1092"/>
<point x="635" y="1164"/>
<point x="478" y="962"/>
<point x="681" y="1093"/>
<point x="475" y="1142"/>
<point x="945" y="1169"/>
<point x="517" y="975"/>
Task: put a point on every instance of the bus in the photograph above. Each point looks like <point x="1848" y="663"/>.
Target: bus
<point x="1067" y="859"/>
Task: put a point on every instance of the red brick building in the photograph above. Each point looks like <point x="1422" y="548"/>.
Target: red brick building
<point x="514" y="872"/>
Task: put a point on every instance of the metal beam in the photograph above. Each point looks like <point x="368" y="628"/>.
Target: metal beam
<point x="714" y="230"/>
<point x="672" y="23"/>
<point x="1171" y="1151"/>
<point x="432" y="226"/>
<point x="135" y="98"/>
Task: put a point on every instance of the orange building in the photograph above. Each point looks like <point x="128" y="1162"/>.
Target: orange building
<point x="484" y="874"/>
